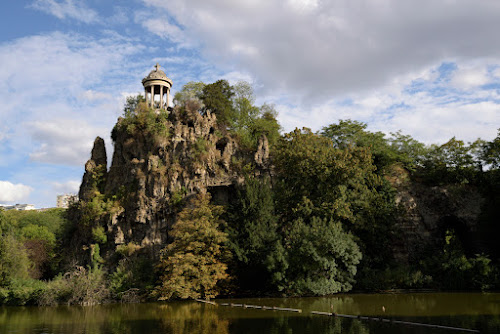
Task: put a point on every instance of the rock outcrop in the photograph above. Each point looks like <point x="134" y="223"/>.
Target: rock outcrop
<point x="427" y="212"/>
<point x="152" y="170"/>
<point x="97" y="164"/>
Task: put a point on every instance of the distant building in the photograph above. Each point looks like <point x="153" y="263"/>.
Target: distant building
<point x="64" y="201"/>
<point x="20" y="207"/>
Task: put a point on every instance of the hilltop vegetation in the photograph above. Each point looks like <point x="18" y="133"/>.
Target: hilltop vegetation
<point x="239" y="209"/>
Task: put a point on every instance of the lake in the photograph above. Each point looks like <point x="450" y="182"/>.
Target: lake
<point x="479" y="311"/>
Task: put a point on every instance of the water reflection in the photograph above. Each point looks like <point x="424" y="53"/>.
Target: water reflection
<point x="478" y="311"/>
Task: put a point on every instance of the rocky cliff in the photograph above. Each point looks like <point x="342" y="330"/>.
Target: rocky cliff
<point x="158" y="160"/>
<point x="428" y="211"/>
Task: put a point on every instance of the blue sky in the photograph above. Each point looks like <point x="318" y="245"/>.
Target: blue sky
<point x="428" y="68"/>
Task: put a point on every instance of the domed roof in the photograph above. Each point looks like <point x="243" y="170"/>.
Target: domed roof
<point x="157" y="74"/>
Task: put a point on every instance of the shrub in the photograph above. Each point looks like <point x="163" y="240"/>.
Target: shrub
<point x="80" y="287"/>
<point x="99" y="235"/>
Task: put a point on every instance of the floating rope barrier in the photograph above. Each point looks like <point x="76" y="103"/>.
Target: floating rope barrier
<point x="360" y="317"/>
<point x="261" y="307"/>
<point x="206" y="301"/>
<point x="392" y="321"/>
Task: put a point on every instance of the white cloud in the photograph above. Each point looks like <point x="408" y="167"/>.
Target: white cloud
<point x="93" y="95"/>
<point x="470" y="77"/>
<point x="63" y="141"/>
<point x="71" y="186"/>
<point x="67" y="9"/>
<point x="10" y="192"/>
<point x="164" y="29"/>
<point x="433" y="114"/>
<point x="323" y="49"/>
<point x="71" y="77"/>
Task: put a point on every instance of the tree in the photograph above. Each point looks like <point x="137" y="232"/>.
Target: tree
<point x="335" y="181"/>
<point x="316" y="181"/>
<point x="190" y="92"/>
<point x="14" y="261"/>
<point x="3" y="222"/>
<point x="452" y="162"/>
<point x="195" y="262"/>
<point x="349" y="133"/>
<point x="346" y="133"/>
<point x="217" y="97"/>
<point x="491" y="155"/>
<point x="251" y="122"/>
<point x="253" y="232"/>
<point x="131" y="104"/>
<point x="323" y="258"/>
<point x="410" y="152"/>
<point x="398" y="148"/>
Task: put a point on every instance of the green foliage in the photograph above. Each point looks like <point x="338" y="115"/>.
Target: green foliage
<point x="334" y="185"/>
<point x="79" y="287"/>
<point x="393" y="277"/>
<point x="3" y="222"/>
<point x="398" y="148"/>
<point x="410" y="152"/>
<point x="217" y="97"/>
<point x="14" y="261"/>
<point x="195" y="262"/>
<point x="32" y="232"/>
<point x="99" y="235"/>
<point x="323" y="258"/>
<point x="131" y="105"/>
<point x="253" y="232"/>
<point x="53" y="220"/>
<point x="92" y="211"/>
<point x="177" y="197"/>
<point x="127" y="249"/>
<point x="491" y="152"/>
<point x="452" y="269"/>
<point x="190" y="92"/>
<point x="334" y="181"/>
<point x="452" y="162"/>
<point x="200" y="148"/>
<point x="133" y="277"/>
<point x="22" y="292"/>
<point x="142" y="120"/>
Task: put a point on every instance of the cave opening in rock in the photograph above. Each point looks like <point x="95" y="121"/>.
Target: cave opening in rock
<point x="221" y="145"/>
<point x="222" y="195"/>
<point x="459" y="228"/>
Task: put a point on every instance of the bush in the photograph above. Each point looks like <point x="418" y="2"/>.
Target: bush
<point x="98" y="235"/>
<point x="25" y="291"/>
<point x="80" y="287"/>
<point x="14" y="261"/>
<point x="322" y="258"/>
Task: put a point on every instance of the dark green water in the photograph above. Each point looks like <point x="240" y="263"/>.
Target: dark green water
<point x="466" y="310"/>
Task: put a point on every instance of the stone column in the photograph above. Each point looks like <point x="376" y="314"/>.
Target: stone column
<point x="146" y="95"/>
<point x="161" y="97"/>
<point x="168" y="93"/>
<point x="152" y="96"/>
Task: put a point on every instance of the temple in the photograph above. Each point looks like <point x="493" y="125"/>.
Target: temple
<point x="157" y="88"/>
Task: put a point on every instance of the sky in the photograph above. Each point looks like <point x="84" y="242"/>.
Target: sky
<point x="429" y="68"/>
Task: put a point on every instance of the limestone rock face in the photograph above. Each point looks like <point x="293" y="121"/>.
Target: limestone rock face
<point x="262" y="155"/>
<point x="429" y="211"/>
<point x="151" y="173"/>
<point x="96" y="164"/>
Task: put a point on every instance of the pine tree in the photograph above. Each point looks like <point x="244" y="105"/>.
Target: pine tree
<point x="195" y="262"/>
